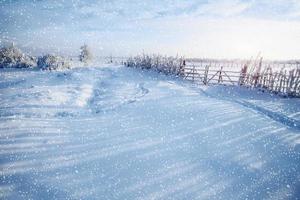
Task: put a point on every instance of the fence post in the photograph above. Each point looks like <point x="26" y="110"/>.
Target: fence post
<point x="281" y="82"/>
<point x="194" y="72"/>
<point x="181" y="68"/>
<point x="290" y="82"/>
<point x="285" y="83"/>
<point x="243" y="75"/>
<point x="270" y="79"/>
<point x="297" y="75"/>
<point x="206" y="74"/>
<point x="220" y="75"/>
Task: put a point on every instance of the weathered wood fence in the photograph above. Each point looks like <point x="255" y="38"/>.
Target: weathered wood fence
<point x="284" y="81"/>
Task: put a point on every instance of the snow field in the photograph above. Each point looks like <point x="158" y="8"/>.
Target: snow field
<point x="116" y="133"/>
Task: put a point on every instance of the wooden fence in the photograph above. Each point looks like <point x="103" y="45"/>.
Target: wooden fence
<point x="285" y="81"/>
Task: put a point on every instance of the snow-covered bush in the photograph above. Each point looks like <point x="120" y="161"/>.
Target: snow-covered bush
<point x="164" y="64"/>
<point x="85" y="54"/>
<point x="52" y="62"/>
<point x="12" y="57"/>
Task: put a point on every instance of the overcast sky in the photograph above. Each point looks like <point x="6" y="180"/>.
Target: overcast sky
<point x="194" y="28"/>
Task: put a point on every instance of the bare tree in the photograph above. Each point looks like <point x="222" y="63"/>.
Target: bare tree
<point x="85" y="54"/>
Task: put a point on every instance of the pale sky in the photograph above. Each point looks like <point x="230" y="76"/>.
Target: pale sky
<point x="194" y="28"/>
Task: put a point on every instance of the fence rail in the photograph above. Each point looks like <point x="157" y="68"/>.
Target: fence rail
<point x="285" y="82"/>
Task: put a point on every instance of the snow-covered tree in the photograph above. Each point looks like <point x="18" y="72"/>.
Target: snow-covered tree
<point x="14" y="57"/>
<point x="85" y="54"/>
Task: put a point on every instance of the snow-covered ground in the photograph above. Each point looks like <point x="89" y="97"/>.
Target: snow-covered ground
<point x="111" y="132"/>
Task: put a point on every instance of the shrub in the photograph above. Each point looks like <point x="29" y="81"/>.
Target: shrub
<point x="12" y="57"/>
<point x="164" y="64"/>
<point x="52" y="62"/>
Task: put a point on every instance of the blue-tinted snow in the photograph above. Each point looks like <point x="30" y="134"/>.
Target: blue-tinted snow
<point x="118" y="133"/>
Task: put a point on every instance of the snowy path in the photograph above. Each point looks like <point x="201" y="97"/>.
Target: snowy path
<point x="117" y="133"/>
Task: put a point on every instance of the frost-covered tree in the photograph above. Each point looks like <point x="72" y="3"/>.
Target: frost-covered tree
<point x="85" y="54"/>
<point x="14" y="57"/>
